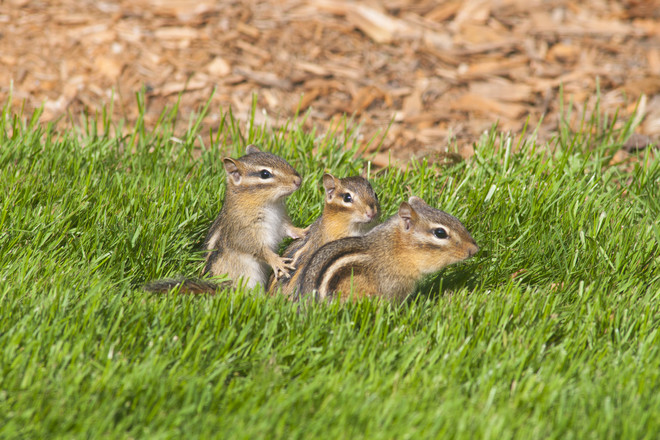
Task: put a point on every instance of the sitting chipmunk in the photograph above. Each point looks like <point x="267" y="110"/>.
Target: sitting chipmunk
<point x="243" y="239"/>
<point x="389" y="260"/>
<point x="351" y="209"/>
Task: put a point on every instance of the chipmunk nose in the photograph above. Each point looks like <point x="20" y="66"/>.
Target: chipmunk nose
<point x="297" y="181"/>
<point x="372" y="212"/>
<point x="473" y="249"/>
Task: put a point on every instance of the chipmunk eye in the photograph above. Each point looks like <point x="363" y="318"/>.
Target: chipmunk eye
<point x="265" y="174"/>
<point x="348" y="198"/>
<point x="440" y="233"/>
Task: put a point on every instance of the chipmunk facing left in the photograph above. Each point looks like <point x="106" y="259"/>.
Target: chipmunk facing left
<point x="389" y="260"/>
<point x="243" y="239"/>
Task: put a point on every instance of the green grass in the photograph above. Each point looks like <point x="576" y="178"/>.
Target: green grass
<point x="552" y="331"/>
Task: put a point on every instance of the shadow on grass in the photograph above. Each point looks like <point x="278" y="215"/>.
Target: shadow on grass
<point x="449" y="280"/>
<point x="456" y="280"/>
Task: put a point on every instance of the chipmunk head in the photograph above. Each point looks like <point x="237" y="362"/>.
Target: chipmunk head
<point x="352" y="202"/>
<point x="262" y="174"/>
<point x="437" y="239"/>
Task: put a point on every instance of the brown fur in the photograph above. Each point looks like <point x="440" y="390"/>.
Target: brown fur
<point x="253" y="221"/>
<point x="389" y="260"/>
<point x="339" y="219"/>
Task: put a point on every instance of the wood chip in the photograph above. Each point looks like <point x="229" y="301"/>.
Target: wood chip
<point x="638" y="142"/>
<point x="474" y="49"/>
<point x="312" y="68"/>
<point x="248" y="30"/>
<point x="564" y="53"/>
<point x="476" y="11"/>
<point x="378" y="26"/>
<point x="653" y="58"/>
<point x="492" y="67"/>
<point x="182" y="9"/>
<point x="483" y="61"/>
<point x="307" y="99"/>
<point x="443" y="11"/>
<point x="252" y="49"/>
<point x="178" y="87"/>
<point x="219" y="67"/>
<point x="365" y="97"/>
<point x="176" y="33"/>
<point x="479" y="104"/>
<point x="648" y="86"/>
<point x="267" y="79"/>
<point x="412" y="104"/>
<point x="600" y="28"/>
<point x="502" y="90"/>
<point x="620" y="157"/>
<point x="109" y="67"/>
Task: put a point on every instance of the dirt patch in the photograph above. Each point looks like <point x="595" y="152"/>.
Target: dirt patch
<point x="437" y="71"/>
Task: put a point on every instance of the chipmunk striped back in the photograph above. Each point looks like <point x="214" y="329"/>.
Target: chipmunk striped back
<point x="389" y="260"/>
<point x="351" y="208"/>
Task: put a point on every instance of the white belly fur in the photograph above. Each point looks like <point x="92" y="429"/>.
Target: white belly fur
<point x="272" y="227"/>
<point x="253" y="271"/>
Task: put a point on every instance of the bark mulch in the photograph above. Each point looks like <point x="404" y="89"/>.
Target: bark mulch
<point x="441" y="72"/>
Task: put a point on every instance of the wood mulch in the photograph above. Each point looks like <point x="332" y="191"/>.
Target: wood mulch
<point x="440" y="72"/>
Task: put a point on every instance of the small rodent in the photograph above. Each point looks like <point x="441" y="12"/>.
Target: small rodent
<point x="351" y="209"/>
<point x="243" y="239"/>
<point x="389" y="260"/>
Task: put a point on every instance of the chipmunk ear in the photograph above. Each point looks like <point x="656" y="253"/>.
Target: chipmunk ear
<point x="330" y="184"/>
<point x="233" y="172"/>
<point x="251" y="149"/>
<point x="407" y="214"/>
<point x="416" y="201"/>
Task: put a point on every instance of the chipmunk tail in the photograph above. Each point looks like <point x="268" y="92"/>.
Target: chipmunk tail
<point x="186" y="286"/>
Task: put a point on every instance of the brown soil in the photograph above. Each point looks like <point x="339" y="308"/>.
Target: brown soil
<point x="438" y="70"/>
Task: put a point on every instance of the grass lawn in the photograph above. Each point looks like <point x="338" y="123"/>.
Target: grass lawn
<point x="551" y="331"/>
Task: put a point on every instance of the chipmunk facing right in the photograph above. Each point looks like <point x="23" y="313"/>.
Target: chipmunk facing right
<point x="351" y="209"/>
<point x="252" y="222"/>
<point x="389" y="260"/>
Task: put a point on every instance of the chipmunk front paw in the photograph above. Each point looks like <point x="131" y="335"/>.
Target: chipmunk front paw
<point x="294" y="232"/>
<point x="281" y="266"/>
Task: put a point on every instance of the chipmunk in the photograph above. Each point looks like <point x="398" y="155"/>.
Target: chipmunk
<point x="252" y="222"/>
<point x="389" y="260"/>
<point x="351" y="209"/>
